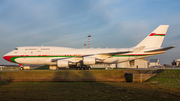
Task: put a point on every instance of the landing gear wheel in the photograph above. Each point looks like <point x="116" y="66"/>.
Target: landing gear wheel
<point x="77" y="68"/>
<point x="89" y="68"/>
<point x="21" y="69"/>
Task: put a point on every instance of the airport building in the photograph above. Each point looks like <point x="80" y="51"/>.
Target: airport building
<point x="154" y="63"/>
<point x="139" y="63"/>
<point x="176" y="62"/>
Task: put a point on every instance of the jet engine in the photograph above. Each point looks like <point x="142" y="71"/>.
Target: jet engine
<point x="91" y="60"/>
<point x="64" y="63"/>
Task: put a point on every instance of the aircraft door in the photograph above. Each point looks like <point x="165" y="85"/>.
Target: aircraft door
<point x="76" y="54"/>
<point x="24" y="55"/>
<point x="39" y="49"/>
<point x="129" y="55"/>
<point x="47" y="55"/>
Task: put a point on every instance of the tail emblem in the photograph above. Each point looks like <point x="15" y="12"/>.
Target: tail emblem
<point x="154" y="34"/>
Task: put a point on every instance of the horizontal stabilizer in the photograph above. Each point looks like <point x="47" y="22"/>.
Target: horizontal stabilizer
<point x="162" y="49"/>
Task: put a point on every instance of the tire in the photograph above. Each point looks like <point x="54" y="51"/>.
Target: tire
<point x="21" y="68"/>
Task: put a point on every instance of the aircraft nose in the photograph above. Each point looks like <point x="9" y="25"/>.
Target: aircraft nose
<point x="5" y="57"/>
<point x="8" y="58"/>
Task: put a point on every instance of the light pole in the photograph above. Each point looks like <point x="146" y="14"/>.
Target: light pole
<point x="89" y="41"/>
<point x="84" y="45"/>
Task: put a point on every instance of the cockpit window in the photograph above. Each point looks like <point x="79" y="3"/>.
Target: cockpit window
<point x="16" y="49"/>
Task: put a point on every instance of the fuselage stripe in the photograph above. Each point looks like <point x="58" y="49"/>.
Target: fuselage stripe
<point x="154" y="34"/>
<point x="13" y="58"/>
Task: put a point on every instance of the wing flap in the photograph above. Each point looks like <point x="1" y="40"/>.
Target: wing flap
<point x="73" y="59"/>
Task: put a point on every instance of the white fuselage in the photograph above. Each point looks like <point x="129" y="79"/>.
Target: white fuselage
<point x="44" y="55"/>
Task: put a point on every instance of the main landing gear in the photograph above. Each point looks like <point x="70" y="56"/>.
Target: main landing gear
<point x="80" y="66"/>
<point x="21" y="67"/>
<point x="83" y="68"/>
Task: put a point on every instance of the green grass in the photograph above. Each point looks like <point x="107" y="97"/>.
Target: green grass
<point x="168" y="79"/>
<point x="65" y="75"/>
<point x="167" y="88"/>
<point x="45" y="67"/>
<point x="88" y="91"/>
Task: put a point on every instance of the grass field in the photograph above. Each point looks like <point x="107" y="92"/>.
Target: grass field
<point x="168" y="79"/>
<point x="166" y="88"/>
<point x="65" y="75"/>
<point x="85" y="91"/>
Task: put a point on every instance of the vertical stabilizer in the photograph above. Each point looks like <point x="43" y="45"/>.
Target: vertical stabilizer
<point x="155" y="38"/>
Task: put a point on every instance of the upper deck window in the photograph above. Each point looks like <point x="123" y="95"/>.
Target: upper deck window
<point x="31" y="49"/>
<point x="45" y="48"/>
<point x="16" y="49"/>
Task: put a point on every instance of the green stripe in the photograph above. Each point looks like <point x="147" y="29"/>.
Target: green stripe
<point x="159" y="35"/>
<point x="13" y="58"/>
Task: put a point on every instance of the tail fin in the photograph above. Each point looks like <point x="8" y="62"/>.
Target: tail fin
<point x="155" y="38"/>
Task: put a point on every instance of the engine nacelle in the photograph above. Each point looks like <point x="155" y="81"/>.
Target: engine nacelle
<point x="91" y="61"/>
<point x="64" y="63"/>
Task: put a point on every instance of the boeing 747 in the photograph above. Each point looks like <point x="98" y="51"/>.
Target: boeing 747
<point x="82" y="58"/>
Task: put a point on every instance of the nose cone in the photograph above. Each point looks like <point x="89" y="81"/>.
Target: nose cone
<point x="8" y="58"/>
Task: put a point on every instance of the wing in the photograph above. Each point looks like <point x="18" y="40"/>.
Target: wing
<point x="99" y="55"/>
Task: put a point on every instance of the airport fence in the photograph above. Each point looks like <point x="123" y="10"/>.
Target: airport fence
<point x="4" y="78"/>
<point x="9" y="68"/>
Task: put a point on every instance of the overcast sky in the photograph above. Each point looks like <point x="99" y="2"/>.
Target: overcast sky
<point x="67" y="23"/>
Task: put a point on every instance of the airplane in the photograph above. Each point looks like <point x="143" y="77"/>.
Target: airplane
<point x="64" y="57"/>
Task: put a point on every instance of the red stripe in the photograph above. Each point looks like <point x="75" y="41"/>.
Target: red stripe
<point x="44" y="55"/>
<point x="152" y="34"/>
<point x="8" y="58"/>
